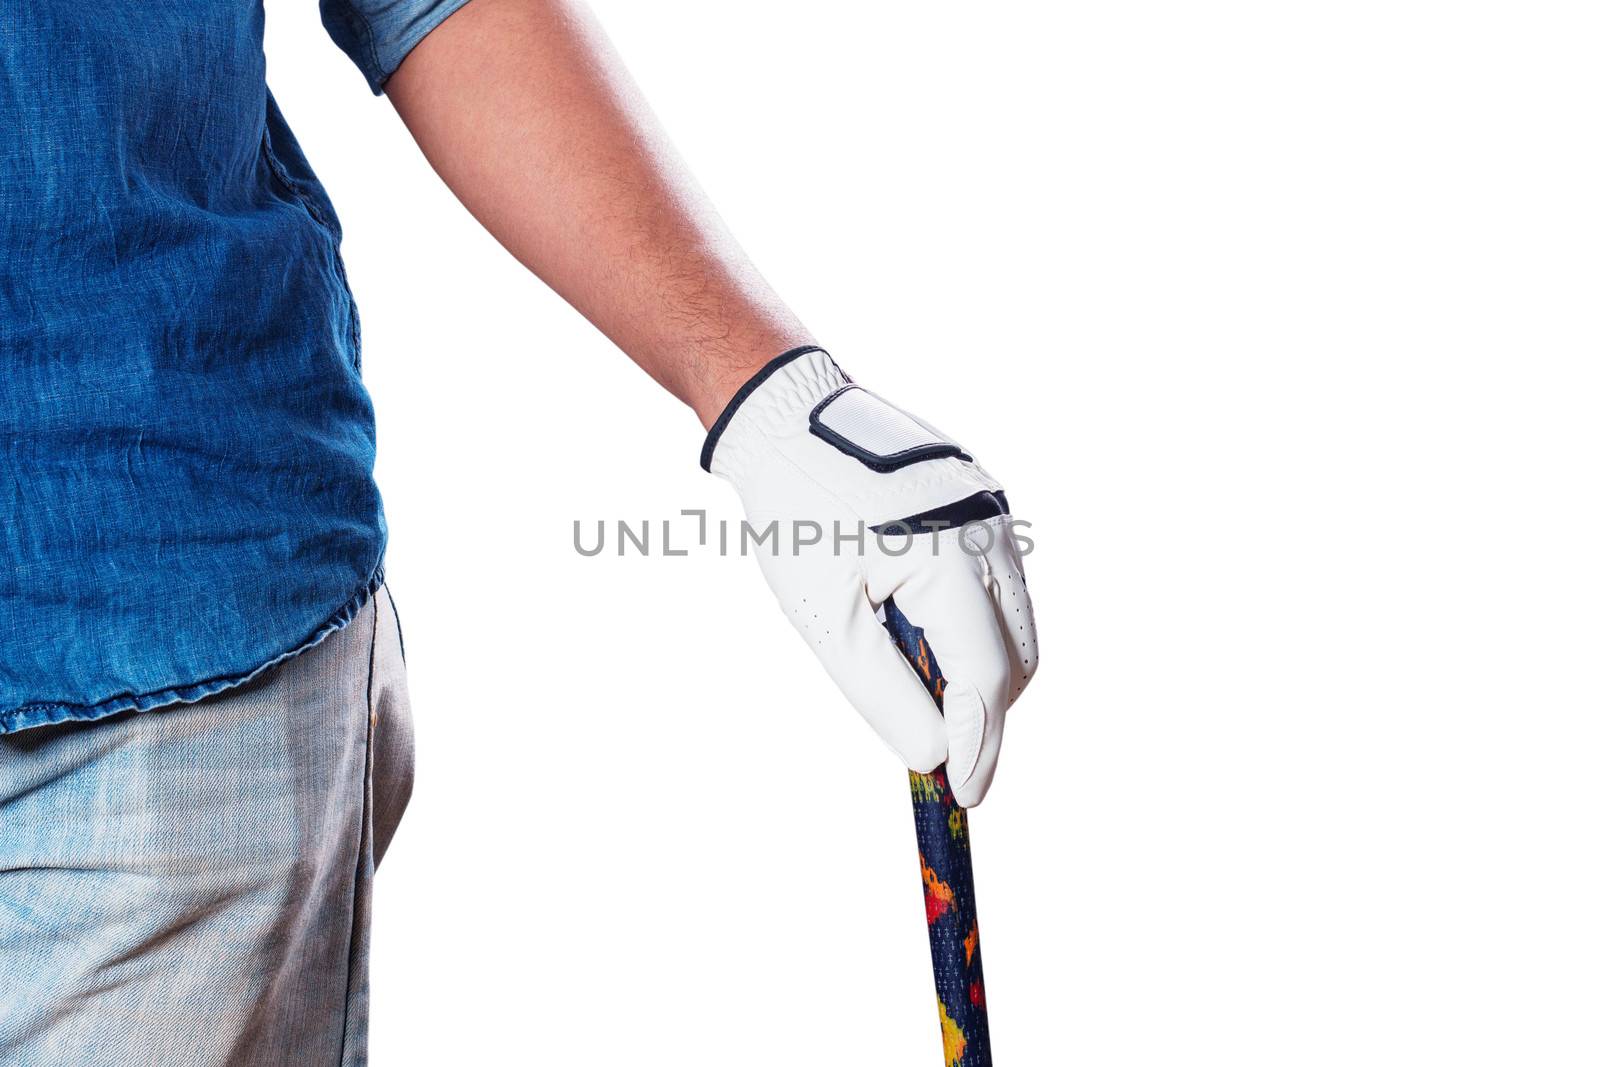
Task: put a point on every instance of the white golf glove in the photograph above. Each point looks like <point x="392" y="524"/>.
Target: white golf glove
<point x="811" y="453"/>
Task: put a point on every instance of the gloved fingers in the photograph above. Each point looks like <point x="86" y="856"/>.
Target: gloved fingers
<point x="864" y="662"/>
<point x="1008" y="585"/>
<point x="950" y="599"/>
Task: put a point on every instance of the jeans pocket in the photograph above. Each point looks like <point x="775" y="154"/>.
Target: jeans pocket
<point x="399" y="631"/>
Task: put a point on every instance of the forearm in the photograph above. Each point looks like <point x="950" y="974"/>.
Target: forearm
<point x="528" y="115"/>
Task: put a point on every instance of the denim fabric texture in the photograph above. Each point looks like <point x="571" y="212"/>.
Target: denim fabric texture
<point x="191" y="886"/>
<point x="186" y="447"/>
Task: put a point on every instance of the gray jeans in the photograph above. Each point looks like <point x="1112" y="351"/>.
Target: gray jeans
<point x="191" y="886"/>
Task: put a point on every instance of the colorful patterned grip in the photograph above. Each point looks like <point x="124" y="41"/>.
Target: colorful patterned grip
<point x="945" y="848"/>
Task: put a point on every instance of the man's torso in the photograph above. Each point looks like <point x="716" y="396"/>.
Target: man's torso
<point x="185" y="444"/>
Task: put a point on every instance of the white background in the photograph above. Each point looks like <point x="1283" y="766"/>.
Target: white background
<point x="1279" y="323"/>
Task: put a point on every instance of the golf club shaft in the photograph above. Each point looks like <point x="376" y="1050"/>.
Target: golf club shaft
<point x="944" y="845"/>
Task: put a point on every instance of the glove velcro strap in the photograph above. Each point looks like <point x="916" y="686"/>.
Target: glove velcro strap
<point x="867" y="427"/>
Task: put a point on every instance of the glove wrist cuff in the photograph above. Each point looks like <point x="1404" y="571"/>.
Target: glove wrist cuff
<point x="789" y="385"/>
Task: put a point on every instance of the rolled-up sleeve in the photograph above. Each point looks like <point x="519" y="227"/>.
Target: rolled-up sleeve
<point x="378" y="34"/>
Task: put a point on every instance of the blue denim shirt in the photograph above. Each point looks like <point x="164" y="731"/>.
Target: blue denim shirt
<point x="186" y="448"/>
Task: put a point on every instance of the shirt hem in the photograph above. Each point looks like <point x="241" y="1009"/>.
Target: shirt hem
<point x="50" y="714"/>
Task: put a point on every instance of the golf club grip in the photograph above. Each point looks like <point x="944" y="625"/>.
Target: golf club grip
<point x="944" y="846"/>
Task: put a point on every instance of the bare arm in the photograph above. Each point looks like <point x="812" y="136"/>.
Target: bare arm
<point x="527" y="113"/>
